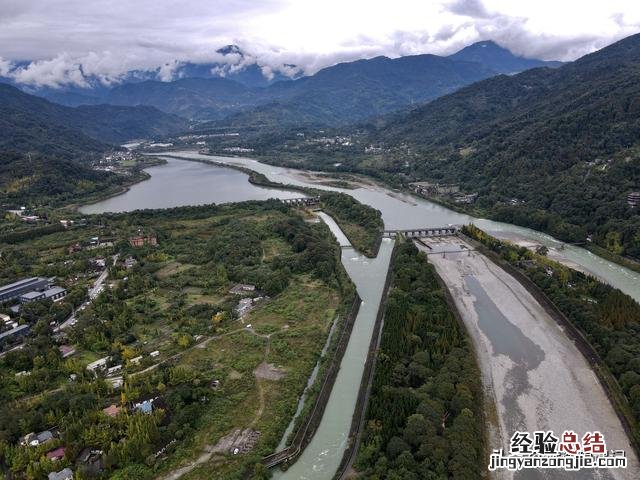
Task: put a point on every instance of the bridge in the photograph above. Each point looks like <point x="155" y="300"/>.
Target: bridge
<point x="423" y="232"/>
<point x="302" y="201"/>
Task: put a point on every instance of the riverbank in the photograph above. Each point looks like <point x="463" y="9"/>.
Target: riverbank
<point x="359" y="415"/>
<point x="424" y="414"/>
<point x="499" y="214"/>
<point x="360" y="223"/>
<point x="518" y="344"/>
<point x="571" y="328"/>
<point x="318" y="395"/>
<point x="137" y="176"/>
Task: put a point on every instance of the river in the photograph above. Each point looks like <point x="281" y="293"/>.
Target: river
<point x="180" y="182"/>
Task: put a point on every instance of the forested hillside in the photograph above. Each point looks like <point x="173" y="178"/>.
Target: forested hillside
<point x="353" y="91"/>
<point x="202" y="98"/>
<point x="554" y="149"/>
<point x="29" y="123"/>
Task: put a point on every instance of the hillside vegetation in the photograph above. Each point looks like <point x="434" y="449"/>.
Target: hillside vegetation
<point x="424" y="419"/>
<point x="30" y="123"/>
<point x="560" y="144"/>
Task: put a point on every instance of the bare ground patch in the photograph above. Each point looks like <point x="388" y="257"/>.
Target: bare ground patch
<point x="269" y="371"/>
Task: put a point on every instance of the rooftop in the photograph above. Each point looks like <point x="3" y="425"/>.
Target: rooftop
<point x="13" y="331"/>
<point x="20" y="283"/>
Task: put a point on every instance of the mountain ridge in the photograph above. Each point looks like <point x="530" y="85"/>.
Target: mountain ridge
<point x="30" y="123"/>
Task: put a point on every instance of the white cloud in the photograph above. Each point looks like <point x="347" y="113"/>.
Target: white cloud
<point x="107" y="38"/>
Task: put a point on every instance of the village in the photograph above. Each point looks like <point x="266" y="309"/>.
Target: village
<point x="99" y="279"/>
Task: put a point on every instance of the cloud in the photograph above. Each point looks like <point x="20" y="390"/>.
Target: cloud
<point x="76" y="43"/>
<point x="469" y="8"/>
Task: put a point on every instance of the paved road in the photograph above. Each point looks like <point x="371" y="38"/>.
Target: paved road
<point x="94" y="291"/>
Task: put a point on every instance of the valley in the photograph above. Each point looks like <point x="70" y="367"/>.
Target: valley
<point x="366" y="260"/>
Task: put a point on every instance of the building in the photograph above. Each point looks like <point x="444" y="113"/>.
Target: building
<point x="242" y="288"/>
<point x="76" y="247"/>
<point x="35" y="439"/>
<point x="145" y="407"/>
<point x="89" y="462"/>
<point x="56" y="454"/>
<point x="17" y="332"/>
<point x="141" y="240"/>
<point x="14" y="290"/>
<point x="130" y="262"/>
<point x="114" y="369"/>
<point x="66" y="350"/>
<point x="99" y="364"/>
<point x="64" y="474"/>
<point x="112" y="410"/>
<point x="52" y="293"/>
<point x="5" y="318"/>
<point x="633" y="199"/>
<point x="427" y="189"/>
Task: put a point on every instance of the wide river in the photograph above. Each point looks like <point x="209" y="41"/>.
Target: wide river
<point x="182" y="182"/>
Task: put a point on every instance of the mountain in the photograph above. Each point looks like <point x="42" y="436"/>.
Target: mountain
<point x="30" y="123"/>
<point x="46" y="180"/>
<point x="213" y="98"/>
<point x="498" y="59"/>
<point x="353" y="91"/>
<point x="238" y="91"/>
<point x="229" y="62"/>
<point x="554" y="149"/>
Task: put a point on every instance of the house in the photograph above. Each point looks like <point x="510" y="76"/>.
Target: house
<point x="136" y="360"/>
<point x="52" y="293"/>
<point x="145" y="407"/>
<point x="5" y="318"/>
<point x="56" y="454"/>
<point x="66" y="350"/>
<point x="114" y="369"/>
<point x="98" y="262"/>
<point x="633" y="199"/>
<point x="130" y="262"/>
<point x="64" y="474"/>
<point x="115" y="382"/>
<point x="112" y="410"/>
<point x="89" y="461"/>
<point x="242" y="288"/>
<point x="99" y="364"/>
<point x="17" y="332"/>
<point x="142" y="240"/>
<point x="155" y="353"/>
<point x="35" y="439"/>
<point x="14" y="290"/>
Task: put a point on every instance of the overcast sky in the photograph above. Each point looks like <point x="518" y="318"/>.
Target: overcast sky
<point x="110" y="37"/>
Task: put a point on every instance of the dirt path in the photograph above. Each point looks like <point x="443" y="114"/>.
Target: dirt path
<point x="209" y="450"/>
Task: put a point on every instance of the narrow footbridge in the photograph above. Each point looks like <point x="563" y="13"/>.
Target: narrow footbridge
<point x="302" y="201"/>
<point x="423" y="232"/>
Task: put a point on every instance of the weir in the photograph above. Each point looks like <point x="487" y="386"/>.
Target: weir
<point x="423" y="232"/>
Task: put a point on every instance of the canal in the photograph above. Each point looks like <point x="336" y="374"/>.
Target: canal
<point x="400" y="211"/>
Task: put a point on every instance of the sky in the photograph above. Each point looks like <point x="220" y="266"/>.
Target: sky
<point x="65" y="41"/>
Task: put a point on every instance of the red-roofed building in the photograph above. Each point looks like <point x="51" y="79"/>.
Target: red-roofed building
<point x="66" y="350"/>
<point x="57" y="454"/>
<point x="112" y="410"/>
